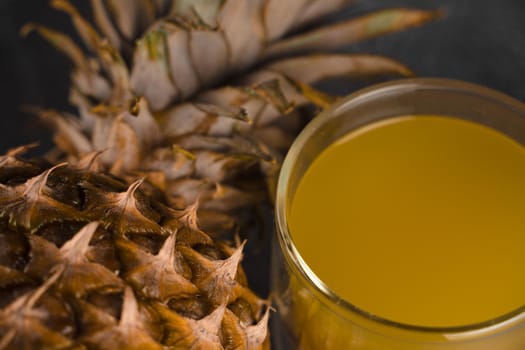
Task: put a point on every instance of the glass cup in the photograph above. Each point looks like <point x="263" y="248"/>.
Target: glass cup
<point x="309" y="315"/>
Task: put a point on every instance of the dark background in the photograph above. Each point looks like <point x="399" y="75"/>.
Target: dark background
<point x="481" y="41"/>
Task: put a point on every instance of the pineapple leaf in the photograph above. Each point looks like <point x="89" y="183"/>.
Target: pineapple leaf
<point x="316" y="9"/>
<point x="316" y="97"/>
<point x="279" y="16"/>
<point x="60" y="41"/>
<point x="347" y="32"/>
<point x="152" y="59"/>
<point x="219" y="111"/>
<point x="103" y="21"/>
<point x="89" y="35"/>
<point x="271" y="91"/>
<point x="208" y="10"/>
<point x="68" y="136"/>
<point x="314" y="68"/>
<point x="239" y="20"/>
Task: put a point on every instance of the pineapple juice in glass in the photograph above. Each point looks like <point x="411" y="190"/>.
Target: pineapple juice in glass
<point x="400" y="220"/>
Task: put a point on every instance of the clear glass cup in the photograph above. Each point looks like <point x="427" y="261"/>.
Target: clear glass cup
<point x="309" y="315"/>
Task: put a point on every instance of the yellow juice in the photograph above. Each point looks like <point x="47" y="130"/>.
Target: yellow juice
<point x="419" y="220"/>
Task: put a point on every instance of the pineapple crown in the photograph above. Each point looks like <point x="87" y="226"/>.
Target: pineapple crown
<point x="147" y="85"/>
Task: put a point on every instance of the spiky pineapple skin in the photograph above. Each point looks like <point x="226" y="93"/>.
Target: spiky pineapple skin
<point x="88" y="261"/>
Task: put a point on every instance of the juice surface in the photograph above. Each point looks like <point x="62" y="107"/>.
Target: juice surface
<point x="419" y="220"/>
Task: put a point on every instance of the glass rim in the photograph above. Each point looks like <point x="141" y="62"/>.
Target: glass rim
<point x="289" y="249"/>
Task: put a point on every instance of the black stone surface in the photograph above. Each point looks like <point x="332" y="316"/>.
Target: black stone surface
<point x="481" y="41"/>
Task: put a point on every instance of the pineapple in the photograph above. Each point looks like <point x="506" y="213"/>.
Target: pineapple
<point x="121" y="247"/>
<point x="90" y="262"/>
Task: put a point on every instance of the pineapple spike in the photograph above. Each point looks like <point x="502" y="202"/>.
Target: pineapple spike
<point x="167" y="252"/>
<point x="34" y="297"/>
<point x="133" y="188"/>
<point x="14" y="152"/>
<point x="79" y="276"/>
<point x="228" y="268"/>
<point x="12" y="162"/>
<point x="157" y="277"/>
<point x="215" y="278"/>
<point x="187" y="333"/>
<point x="27" y="205"/>
<point x="74" y="250"/>
<point x="189" y="215"/>
<point x="190" y="233"/>
<point x="212" y="322"/>
<point x="122" y="211"/>
<point x="129" y="333"/>
<point x="239" y="335"/>
<point x="130" y="310"/>
<point x="347" y="32"/>
<point x="22" y="320"/>
<point x="90" y="162"/>
<point x="257" y="334"/>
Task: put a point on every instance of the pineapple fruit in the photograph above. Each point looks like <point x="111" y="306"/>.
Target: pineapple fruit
<point x="90" y="262"/>
<point x="123" y="247"/>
